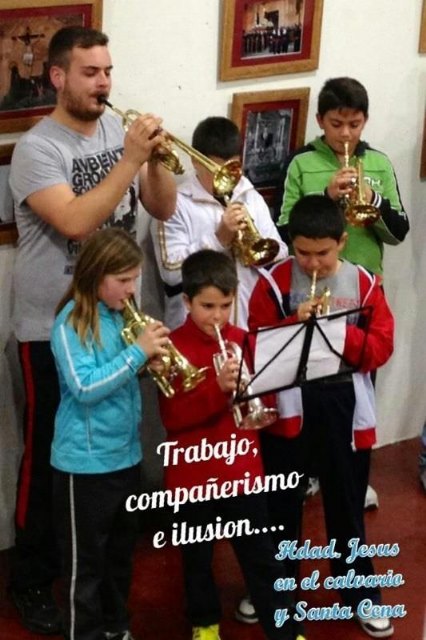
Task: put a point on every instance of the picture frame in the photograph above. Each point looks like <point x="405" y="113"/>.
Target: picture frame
<point x="269" y="38"/>
<point x="27" y="28"/>
<point x="8" y="232"/>
<point x="422" y="37"/>
<point x="272" y="125"/>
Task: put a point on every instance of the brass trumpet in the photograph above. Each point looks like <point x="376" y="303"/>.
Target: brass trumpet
<point x="175" y="365"/>
<point x="251" y="414"/>
<point x="250" y="247"/>
<point x="225" y="177"/>
<point x="323" y="300"/>
<point x="358" y="212"/>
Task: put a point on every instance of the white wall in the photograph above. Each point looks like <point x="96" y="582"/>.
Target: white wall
<point x="165" y="58"/>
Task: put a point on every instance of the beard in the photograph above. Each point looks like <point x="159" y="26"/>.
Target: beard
<point x="76" y="108"/>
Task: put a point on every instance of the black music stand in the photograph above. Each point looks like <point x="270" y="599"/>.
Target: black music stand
<point x="286" y="356"/>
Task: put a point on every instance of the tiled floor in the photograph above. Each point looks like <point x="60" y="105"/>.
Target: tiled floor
<point x="157" y="598"/>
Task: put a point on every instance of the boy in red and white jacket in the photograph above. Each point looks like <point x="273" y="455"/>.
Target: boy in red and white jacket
<point x="201" y="421"/>
<point x="327" y="427"/>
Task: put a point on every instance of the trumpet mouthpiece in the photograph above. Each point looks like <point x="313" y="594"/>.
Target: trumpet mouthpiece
<point x="103" y="100"/>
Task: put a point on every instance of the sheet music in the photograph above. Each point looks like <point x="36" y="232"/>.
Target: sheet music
<point x="278" y="350"/>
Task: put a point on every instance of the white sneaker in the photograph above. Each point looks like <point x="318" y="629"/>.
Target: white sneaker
<point x="313" y="487"/>
<point x="376" y="627"/>
<point x="246" y="612"/>
<point x="371" y="499"/>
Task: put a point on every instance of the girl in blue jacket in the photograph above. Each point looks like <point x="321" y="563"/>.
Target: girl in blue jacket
<point x="96" y="450"/>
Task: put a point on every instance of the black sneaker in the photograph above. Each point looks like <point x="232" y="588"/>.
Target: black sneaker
<point x="37" y="610"/>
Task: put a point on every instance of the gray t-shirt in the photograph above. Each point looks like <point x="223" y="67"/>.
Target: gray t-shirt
<point x="343" y="285"/>
<point x="47" y="155"/>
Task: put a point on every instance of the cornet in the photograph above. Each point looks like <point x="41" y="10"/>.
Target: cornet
<point x="251" y="249"/>
<point x="175" y="365"/>
<point x="225" y="177"/>
<point x="251" y="414"/>
<point x="322" y="301"/>
<point x="358" y="212"/>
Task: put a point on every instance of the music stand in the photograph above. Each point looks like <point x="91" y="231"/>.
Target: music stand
<point x="292" y="355"/>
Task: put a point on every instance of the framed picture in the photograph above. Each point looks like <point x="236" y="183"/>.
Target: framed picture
<point x="8" y="233"/>
<point x="272" y="124"/>
<point x="269" y="38"/>
<point x="27" y="27"/>
<point x="422" y="39"/>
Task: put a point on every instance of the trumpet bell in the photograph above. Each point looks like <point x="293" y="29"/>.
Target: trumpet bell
<point x="257" y="417"/>
<point x="253" y="250"/>
<point x="362" y="215"/>
<point x="175" y="365"/>
<point x="262" y="252"/>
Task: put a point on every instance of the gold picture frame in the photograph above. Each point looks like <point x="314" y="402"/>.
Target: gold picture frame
<point x="260" y="39"/>
<point x="27" y="27"/>
<point x="272" y="125"/>
<point x="422" y="38"/>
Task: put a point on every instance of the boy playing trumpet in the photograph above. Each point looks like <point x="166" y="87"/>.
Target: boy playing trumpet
<point x="327" y="427"/>
<point x="204" y="415"/>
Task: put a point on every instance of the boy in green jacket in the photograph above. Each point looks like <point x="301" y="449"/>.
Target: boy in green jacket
<point x="320" y="167"/>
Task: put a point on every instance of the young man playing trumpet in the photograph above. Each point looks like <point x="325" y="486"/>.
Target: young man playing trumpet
<point x="328" y="427"/>
<point x="201" y="220"/>
<point x="69" y="174"/>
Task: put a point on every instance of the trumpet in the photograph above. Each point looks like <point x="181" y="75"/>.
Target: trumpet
<point x="358" y="212"/>
<point x="250" y="247"/>
<point x="175" y="365"/>
<point x="322" y="301"/>
<point x="251" y="414"/>
<point x="225" y="177"/>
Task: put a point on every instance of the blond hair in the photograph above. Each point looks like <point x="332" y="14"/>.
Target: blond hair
<point x="106" y="252"/>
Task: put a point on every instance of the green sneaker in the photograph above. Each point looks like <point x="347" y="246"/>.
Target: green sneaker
<point x="206" y="633"/>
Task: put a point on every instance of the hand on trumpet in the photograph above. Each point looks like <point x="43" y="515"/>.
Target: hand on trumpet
<point x="342" y="183"/>
<point x="228" y="375"/>
<point x="234" y="219"/>
<point x="144" y="139"/>
<point x="153" y="340"/>
<point x="308" y="308"/>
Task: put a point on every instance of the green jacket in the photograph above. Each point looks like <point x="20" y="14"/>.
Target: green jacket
<point x="309" y="172"/>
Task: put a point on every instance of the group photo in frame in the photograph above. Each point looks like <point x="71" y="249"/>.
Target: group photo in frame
<point x="269" y="38"/>
<point x="272" y="125"/>
<point x="27" y="27"/>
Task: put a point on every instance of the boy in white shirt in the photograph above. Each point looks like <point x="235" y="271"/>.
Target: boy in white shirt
<point x="203" y="221"/>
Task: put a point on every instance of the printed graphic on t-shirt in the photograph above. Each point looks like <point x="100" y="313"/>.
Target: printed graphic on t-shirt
<point x="87" y="173"/>
<point x="336" y="302"/>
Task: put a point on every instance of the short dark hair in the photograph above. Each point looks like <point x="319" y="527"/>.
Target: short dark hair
<point x="217" y="136"/>
<point x="316" y="216"/>
<point x="64" y="41"/>
<point x="343" y="93"/>
<point x="208" y="268"/>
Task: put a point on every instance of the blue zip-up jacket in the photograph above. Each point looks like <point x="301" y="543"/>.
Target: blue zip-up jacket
<point x="97" y="423"/>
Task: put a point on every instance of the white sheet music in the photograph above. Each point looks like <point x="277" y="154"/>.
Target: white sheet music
<point x="280" y="370"/>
